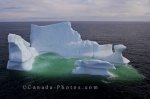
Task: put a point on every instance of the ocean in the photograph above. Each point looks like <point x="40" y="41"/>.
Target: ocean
<point x="134" y="35"/>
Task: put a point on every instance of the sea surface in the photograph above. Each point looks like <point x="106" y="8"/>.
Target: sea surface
<point x="134" y="35"/>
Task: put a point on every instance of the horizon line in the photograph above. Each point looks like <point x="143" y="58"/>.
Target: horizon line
<point x="76" y="21"/>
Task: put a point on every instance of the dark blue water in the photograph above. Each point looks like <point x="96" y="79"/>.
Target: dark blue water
<point x="135" y="35"/>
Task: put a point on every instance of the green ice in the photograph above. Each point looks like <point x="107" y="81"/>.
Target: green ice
<point x="53" y="65"/>
<point x="127" y="73"/>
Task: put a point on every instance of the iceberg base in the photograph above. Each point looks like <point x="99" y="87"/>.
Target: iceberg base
<point x="23" y="66"/>
<point x="92" y="71"/>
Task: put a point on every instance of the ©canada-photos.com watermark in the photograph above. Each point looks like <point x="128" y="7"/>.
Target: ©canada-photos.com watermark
<point x="59" y="87"/>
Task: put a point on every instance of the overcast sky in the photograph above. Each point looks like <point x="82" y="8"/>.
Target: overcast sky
<point x="79" y="10"/>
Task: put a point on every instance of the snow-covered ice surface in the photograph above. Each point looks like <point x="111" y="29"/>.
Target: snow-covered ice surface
<point x="60" y="38"/>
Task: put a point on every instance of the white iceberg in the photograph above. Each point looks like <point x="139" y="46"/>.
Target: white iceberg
<point x="93" y="67"/>
<point x="60" y="38"/>
<point x="18" y="49"/>
<point x="21" y="55"/>
<point x="94" y="63"/>
<point x="117" y="57"/>
<point x="63" y="40"/>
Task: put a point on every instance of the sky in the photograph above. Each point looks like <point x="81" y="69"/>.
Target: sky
<point x="74" y="10"/>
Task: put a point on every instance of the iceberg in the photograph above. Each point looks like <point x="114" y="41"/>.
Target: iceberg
<point x="93" y="67"/>
<point x="117" y="57"/>
<point x="21" y="55"/>
<point x="61" y="39"/>
<point x="94" y="63"/>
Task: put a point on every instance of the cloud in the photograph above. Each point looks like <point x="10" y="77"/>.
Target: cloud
<point x="74" y="9"/>
<point x="11" y="8"/>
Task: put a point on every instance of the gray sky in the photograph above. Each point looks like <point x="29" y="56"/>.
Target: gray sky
<point x="77" y="10"/>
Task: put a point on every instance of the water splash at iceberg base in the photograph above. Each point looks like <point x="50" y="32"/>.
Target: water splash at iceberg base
<point x="53" y="65"/>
